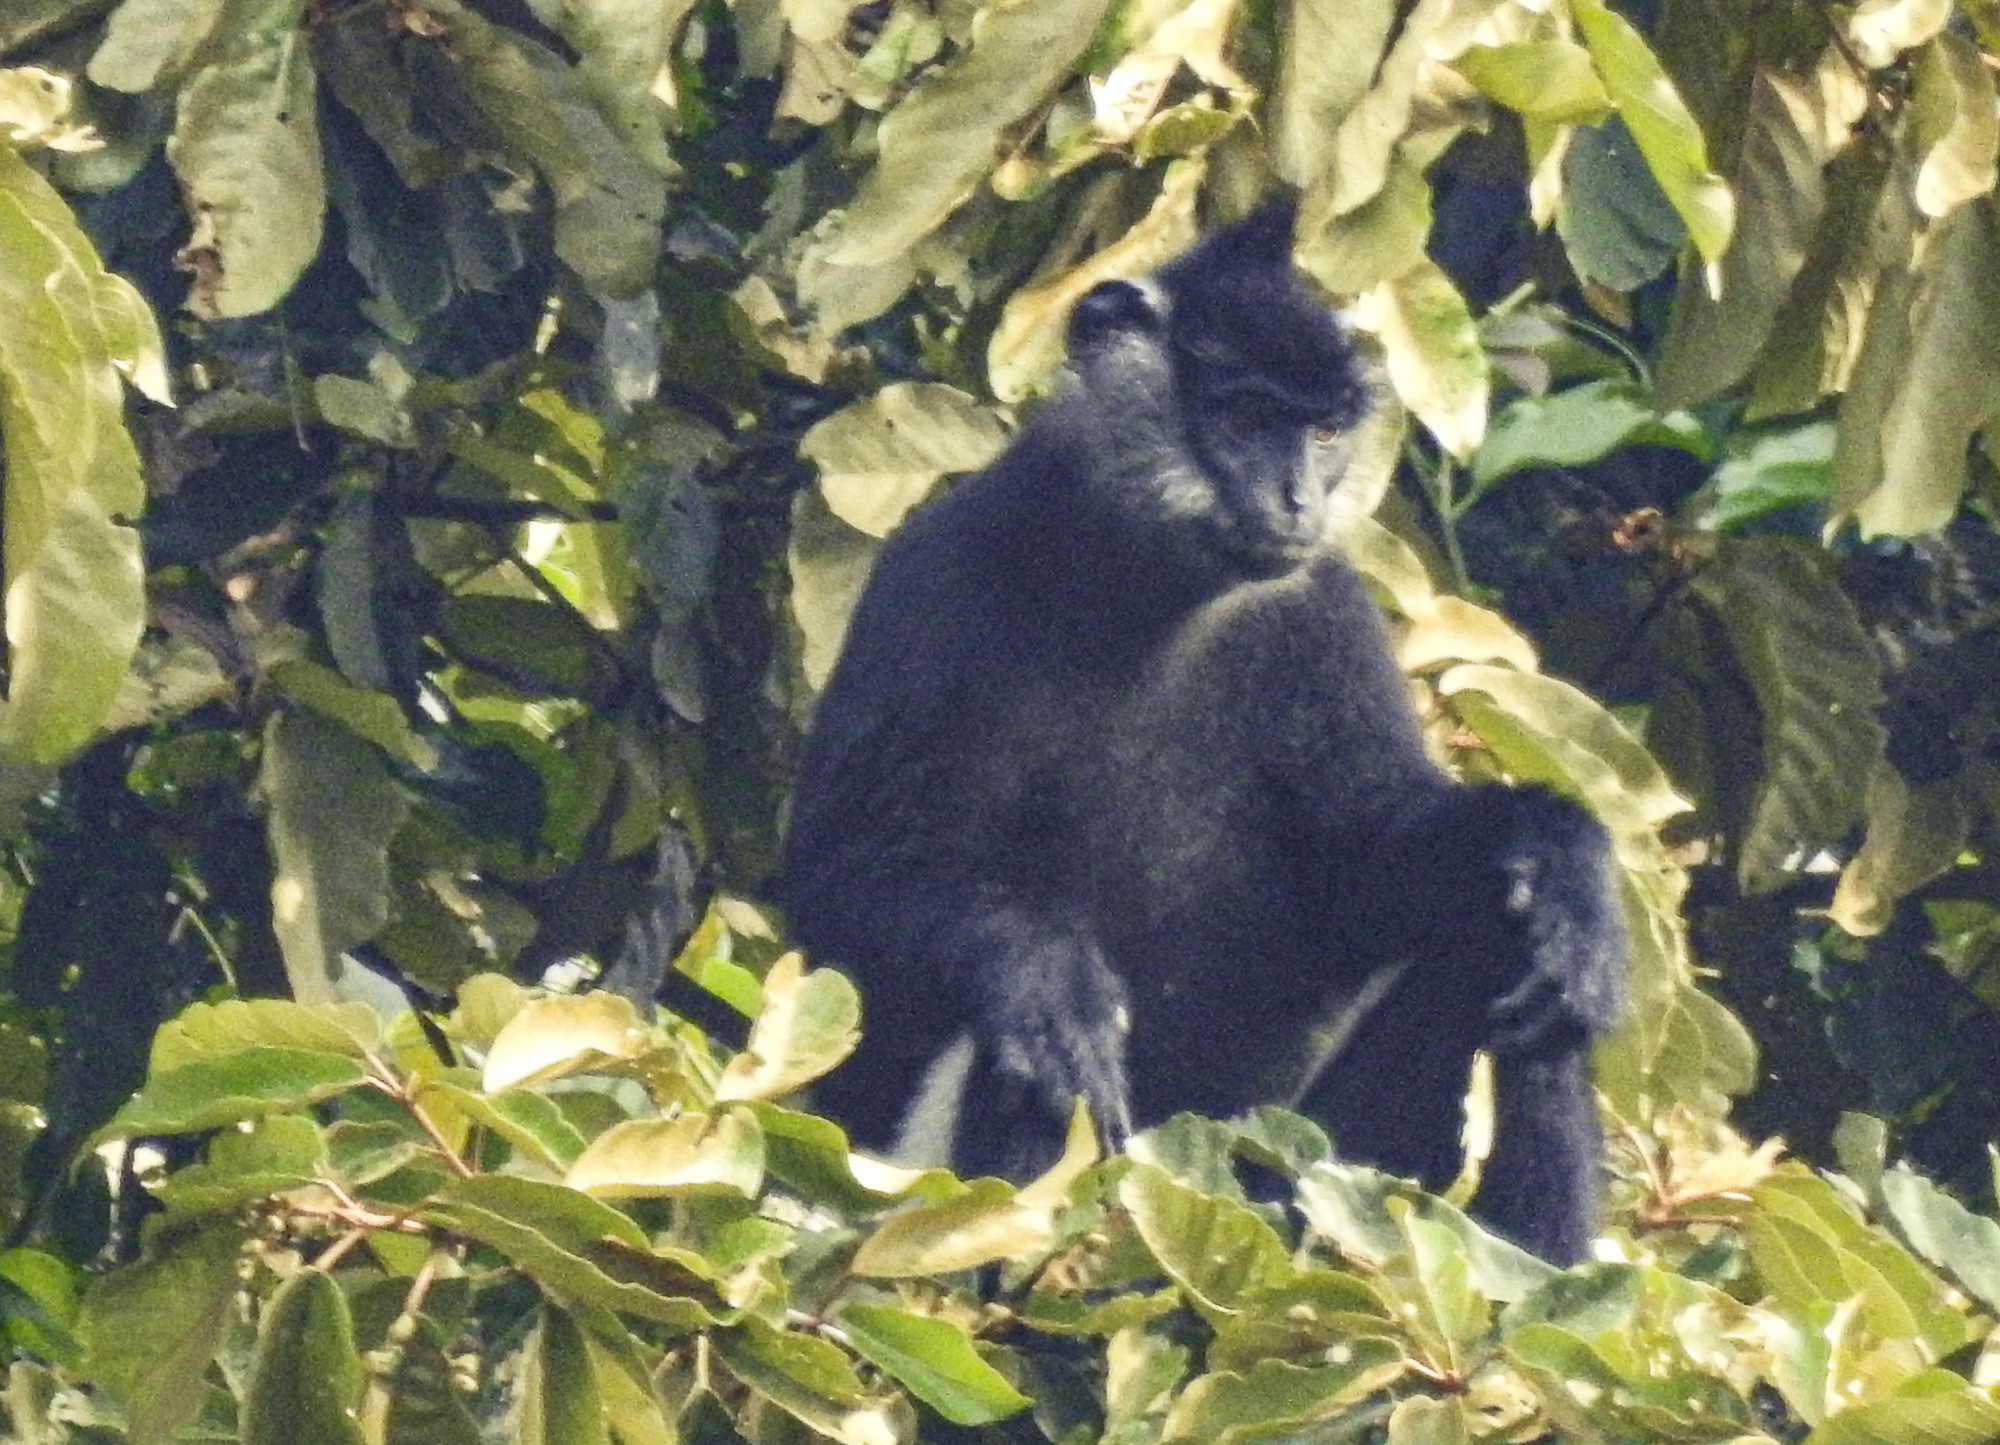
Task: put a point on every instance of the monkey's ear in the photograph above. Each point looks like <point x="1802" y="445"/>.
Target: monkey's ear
<point x="1112" y="308"/>
<point x="1266" y="233"/>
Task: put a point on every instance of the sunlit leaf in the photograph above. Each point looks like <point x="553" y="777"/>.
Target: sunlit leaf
<point x="982" y="1225"/>
<point x="1217" y="1250"/>
<point x="809" y="1022"/>
<point x="548" y="1037"/>
<point x="690" y="1154"/>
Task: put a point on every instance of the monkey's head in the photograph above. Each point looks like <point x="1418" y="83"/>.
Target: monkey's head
<point x="1221" y="396"/>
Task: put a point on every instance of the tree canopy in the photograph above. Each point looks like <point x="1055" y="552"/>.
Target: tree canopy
<point x="442" y="443"/>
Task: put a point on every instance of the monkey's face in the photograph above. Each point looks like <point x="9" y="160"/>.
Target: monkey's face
<point x="1273" y="449"/>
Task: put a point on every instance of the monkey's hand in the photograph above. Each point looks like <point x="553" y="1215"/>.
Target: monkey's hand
<point x="1049" y="1026"/>
<point x="1556" y="868"/>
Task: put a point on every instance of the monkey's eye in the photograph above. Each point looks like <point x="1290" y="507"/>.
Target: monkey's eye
<point x="1323" y="435"/>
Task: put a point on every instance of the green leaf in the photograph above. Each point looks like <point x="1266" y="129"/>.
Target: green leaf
<point x="1660" y="122"/>
<point x="40" y="1309"/>
<point x="808" y="1023"/>
<point x="1434" y="357"/>
<point x="282" y="1152"/>
<point x="1575" y="427"/>
<point x="523" y="1118"/>
<point x="1225" y="1408"/>
<point x="305" y="1377"/>
<point x="1812" y="1251"/>
<point x="810" y="1380"/>
<point x="1551" y="81"/>
<point x="152" y="1328"/>
<point x="609" y="204"/>
<point x="1813" y="671"/>
<point x="581" y="1252"/>
<point x="202" y="1029"/>
<point x="631" y="1405"/>
<point x="246" y="148"/>
<point x="688" y="1154"/>
<point x="1330" y="59"/>
<point x="1350" y="1205"/>
<point x="984" y="1224"/>
<point x="1964" y="1245"/>
<point x="936" y="147"/>
<point x="1955" y="128"/>
<point x="146" y="41"/>
<point x="1781" y="195"/>
<point x="74" y="584"/>
<point x="1217" y="1250"/>
<point x="560" y="1404"/>
<point x="1301" y="1318"/>
<point x="934" y="1360"/>
<point x="1926" y="382"/>
<point x="333" y="809"/>
<point x="1027" y="345"/>
<point x="246" y="1083"/>
<point x="417" y="1403"/>
<point x="1934" y="1406"/>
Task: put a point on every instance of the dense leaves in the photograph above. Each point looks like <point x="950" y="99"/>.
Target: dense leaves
<point x="417" y="624"/>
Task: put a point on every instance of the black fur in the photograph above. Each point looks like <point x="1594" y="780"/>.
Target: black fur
<point x="1118" y="779"/>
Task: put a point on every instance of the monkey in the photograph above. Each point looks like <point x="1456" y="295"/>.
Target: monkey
<point x="1116" y="792"/>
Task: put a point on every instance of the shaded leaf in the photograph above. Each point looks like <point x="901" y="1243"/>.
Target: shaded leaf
<point x="609" y="203"/>
<point x="152" y="1328"/>
<point x="809" y="1379"/>
<point x="1660" y="124"/>
<point x="246" y="148"/>
<point x="560" y="1404"/>
<point x="333" y="809"/>
<point x="1813" y="672"/>
<point x="305" y="1377"/>
<point x="1224" y="1408"/>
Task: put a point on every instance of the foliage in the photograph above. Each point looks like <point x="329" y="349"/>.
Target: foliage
<point x="543" y="1218"/>
<point x="548" y="372"/>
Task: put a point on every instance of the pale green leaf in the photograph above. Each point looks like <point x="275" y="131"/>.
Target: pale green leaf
<point x="808" y="1023"/>
<point x="245" y="1083"/>
<point x="882" y="455"/>
<point x="549" y="1037"/>
<point x="984" y="1224"/>
<point x="1434" y="357"/>
<point x="811" y="1380"/>
<point x="688" y="1154"/>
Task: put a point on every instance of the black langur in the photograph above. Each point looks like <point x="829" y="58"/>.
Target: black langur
<point x="1117" y="793"/>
